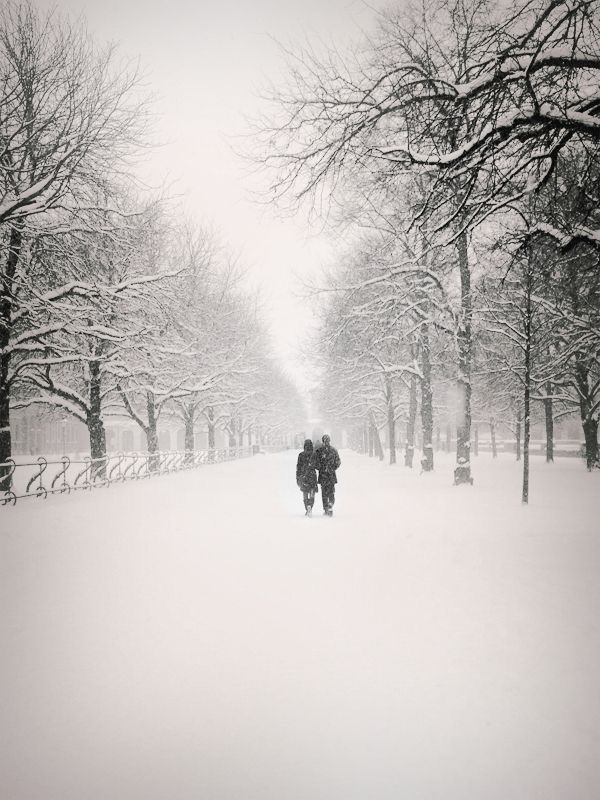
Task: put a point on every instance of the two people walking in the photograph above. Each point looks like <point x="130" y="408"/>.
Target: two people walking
<point x="326" y="460"/>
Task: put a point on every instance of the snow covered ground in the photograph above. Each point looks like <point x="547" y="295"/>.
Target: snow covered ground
<point x="194" y="637"/>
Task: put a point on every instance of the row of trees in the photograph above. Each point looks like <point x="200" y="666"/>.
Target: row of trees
<point x="461" y="140"/>
<point x="110" y="303"/>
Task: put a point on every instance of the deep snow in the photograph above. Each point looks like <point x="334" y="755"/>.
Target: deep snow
<point x="195" y="637"/>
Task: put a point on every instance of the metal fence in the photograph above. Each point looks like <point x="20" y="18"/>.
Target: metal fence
<point x="44" y="476"/>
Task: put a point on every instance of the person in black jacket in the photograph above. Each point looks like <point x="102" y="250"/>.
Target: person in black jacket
<point x="306" y="476"/>
<point x="328" y="461"/>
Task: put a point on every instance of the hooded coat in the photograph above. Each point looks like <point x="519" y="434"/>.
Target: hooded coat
<point x="306" y="473"/>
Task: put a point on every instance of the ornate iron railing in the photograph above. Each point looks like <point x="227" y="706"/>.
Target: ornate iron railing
<point x="39" y="478"/>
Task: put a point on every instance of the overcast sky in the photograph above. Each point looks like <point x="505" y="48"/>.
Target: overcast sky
<point x="206" y="61"/>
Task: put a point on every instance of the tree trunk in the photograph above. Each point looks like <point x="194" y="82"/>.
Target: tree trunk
<point x="493" y="437"/>
<point x="5" y="440"/>
<point x="153" y="450"/>
<point x="426" y="402"/>
<point x="410" y="425"/>
<point x="463" y="384"/>
<point x="448" y="438"/>
<point x="377" y="442"/>
<point x="95" y="424"/>
<point x="6" y="294"/>
<point x="591" y="443"/>
<point x="589" y="424"/>
<point x="210" y="424"/>
<point x="475" y="440"/>
<point x="526" y="436"/>
<point x="97" y="445"/>
<point x="152" y="433"/>
<point x="189" y="436"/>
<point x="371" y="438"/>
<point x="391" y="420"/>
<point x="590" y="432"/>
<point x="527" y="388"/>
<point x="549" y="416"/>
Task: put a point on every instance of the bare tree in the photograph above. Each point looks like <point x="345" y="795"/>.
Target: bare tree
<point x="71" y="115"/>
<point x="77" y="360"/>
<point x="484" y="96"/>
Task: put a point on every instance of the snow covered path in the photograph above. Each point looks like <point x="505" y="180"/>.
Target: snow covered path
<point x="194" y="637"/>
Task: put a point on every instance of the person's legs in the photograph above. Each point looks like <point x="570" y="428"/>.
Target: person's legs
<point x="327" y="492"/>
<point x="324" y="496"/>
<point x="331" y="500"/>
<point x="311" y="498"/>
<point x="305" y="497"/>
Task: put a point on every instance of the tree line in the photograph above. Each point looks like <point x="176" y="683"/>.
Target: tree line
<point x="456" y="146"/>
<point x="111" y="302"/>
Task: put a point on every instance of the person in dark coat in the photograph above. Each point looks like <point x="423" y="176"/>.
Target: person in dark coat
<point x="306" y="476"/>
<point x="328" y="461"/>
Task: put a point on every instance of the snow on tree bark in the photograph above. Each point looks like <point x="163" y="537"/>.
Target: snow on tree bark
<point x="463" y="383"/>
<point x="6" y="314"/>
<point x="530" y="267"/>
<point x="409" y="451"/>
<point x="151" y="432"/>
<point x="95" y="423"/>
<point x="549" y="422"/>
<point x="189" y="441"/>
<point x="210" y="416"/>
<point x="426" y="400"/>
<point x="391" y="419"/>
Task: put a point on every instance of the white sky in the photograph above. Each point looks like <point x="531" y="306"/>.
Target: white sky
<point x="206" y="61"/>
